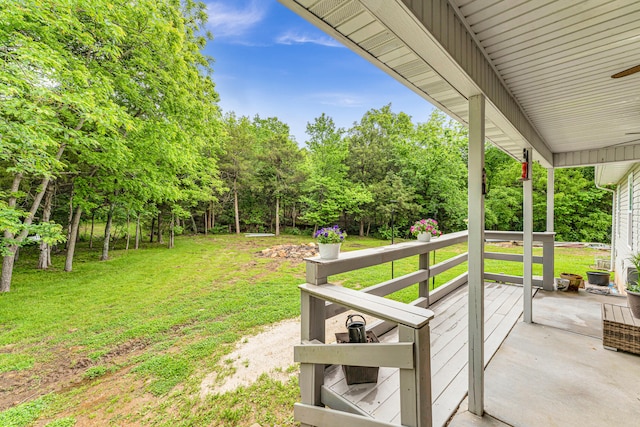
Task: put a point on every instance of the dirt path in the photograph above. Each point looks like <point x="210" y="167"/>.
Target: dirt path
<point x="270" y="352"/>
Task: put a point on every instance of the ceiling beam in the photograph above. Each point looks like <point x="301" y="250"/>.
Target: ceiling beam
<point x="570" y="159"/>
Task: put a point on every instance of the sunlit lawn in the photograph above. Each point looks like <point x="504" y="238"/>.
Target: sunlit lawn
<point x="184" y="309"/>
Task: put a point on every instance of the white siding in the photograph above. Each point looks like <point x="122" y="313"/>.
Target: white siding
<point x="623" y="249"/>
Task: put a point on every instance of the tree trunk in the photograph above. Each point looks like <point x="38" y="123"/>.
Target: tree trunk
<point x="153" y="229"/>
<point x="138" y="231"/>
<point x="293" y="216"/>
<point x="71" y="246"/>
<point x="368" y="228"/>
<point x="7" y="269"/>
<point x="159" y="229"/>
<point x="362" y="228"/>
<point x="70" y="217"/>
<point x="45" y="249"/>
<point x="206" y="222"/>
<point x="93" y="217"/>
<point x="171" y="232"/>
<point x="9" y="260"/>
<point x="235" y="206"/>
<point x="128" y="234"/>
<point x="194" y="225"/>
<point x="107" y="234"/>
<point x="277" y="216"/>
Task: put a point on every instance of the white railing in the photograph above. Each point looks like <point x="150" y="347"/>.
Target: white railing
<point x="321" y="301"/>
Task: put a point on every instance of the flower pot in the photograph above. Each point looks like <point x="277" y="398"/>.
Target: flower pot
<point x="598" y="278"/>
<point x="574" y="281"/>
<point x="329" y="250"/>
<point x="633" y="301"/>
<point x="424" y="237"/>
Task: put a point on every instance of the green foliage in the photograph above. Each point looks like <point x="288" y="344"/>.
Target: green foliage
<point x="95" y="372"/>
<point x="582" y="212"/>
<point x="166" y="370"/>
<point x="15" y="362"/>
<point x="632" y="285"/>
<point x="25" y="414"/>
<point x="62" y="422"/>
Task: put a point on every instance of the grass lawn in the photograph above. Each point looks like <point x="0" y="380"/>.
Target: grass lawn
<point x="128" y="341"/>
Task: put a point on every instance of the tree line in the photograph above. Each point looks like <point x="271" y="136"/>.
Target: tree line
<point x="109" y="113"/>
<point x="387" y="166"/>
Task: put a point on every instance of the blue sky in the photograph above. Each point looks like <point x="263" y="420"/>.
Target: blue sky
<point x="271" y="62"/>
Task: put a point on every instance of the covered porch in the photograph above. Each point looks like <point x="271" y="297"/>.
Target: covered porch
<point x="552" y="371"/>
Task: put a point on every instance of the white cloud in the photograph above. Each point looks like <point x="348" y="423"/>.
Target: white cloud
<point x="339" y="99"/>
<point x="296" y="38"/>
<point x="229" y="21"/>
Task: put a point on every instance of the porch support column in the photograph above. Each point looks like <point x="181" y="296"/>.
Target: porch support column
<point x="550" y="198"/>
<point x="476" y="254"/>
<point x="549" y="247"/>
<point x="527" y="227"/>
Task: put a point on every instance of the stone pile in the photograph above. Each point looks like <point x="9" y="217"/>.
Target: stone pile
<point x="290" y="251"/>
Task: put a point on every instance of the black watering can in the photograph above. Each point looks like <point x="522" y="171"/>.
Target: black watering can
<point x="356" y="329"/>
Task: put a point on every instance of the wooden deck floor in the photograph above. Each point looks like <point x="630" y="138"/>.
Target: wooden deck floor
<point x="449" y="357"/>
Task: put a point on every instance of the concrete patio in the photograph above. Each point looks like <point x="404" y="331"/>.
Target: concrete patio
<point x="555" y="372"/>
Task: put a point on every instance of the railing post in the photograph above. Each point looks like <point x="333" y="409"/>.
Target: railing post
<point x="312" y="325"/>
<point x="548" y="256"/>
<point x="415" y="384"/>
<point x="423" y="287"/>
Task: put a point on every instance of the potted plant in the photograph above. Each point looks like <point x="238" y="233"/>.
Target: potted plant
<point x="329" y="241"/>
<point x="424" y="229"/>
<point x="633" y="287"/>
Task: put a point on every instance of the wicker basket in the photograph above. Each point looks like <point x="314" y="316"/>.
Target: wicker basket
<point x="358" y="374"/>
<point x="619" y="329"/>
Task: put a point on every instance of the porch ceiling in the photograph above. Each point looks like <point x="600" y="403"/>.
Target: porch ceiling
<point x="544" y="66"/>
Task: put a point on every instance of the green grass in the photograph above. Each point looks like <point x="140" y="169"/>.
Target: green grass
<point x="145" y="327"/>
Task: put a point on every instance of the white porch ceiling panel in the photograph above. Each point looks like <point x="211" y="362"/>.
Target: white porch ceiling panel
<point x="545" y="66"/>
<point x="556" y="58"/>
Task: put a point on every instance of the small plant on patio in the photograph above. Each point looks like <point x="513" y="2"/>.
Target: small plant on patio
<point x="330" y="235"/>
<point x="632" y="280"/>
<point x="428" y="225"/>
<point x="633" y="287"/>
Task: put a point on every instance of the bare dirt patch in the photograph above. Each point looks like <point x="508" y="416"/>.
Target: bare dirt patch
<point x="65" y="370"/>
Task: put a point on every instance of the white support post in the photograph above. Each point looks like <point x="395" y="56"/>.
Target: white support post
<point x="476" y="254"/>
<point x="548" y="247"/>
<point x="550" y="198"/>
<point x="527" y="226"/>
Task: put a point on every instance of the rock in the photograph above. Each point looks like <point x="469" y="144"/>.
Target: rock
<point x="298" y="252"/>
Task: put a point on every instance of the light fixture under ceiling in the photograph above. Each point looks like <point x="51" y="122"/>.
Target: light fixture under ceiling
<point x="626" y="72"/>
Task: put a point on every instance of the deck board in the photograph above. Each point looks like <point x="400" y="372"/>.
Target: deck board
<point x="449" y="355"/>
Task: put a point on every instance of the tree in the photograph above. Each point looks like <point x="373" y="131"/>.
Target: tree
<point x="120" y="89"/>
<point x="328" y="193"/>
<point x="52" y="101"/>
<point x="280" y="161"/>
<point x="237" y="158"/>
<point x="375" y="145"/>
